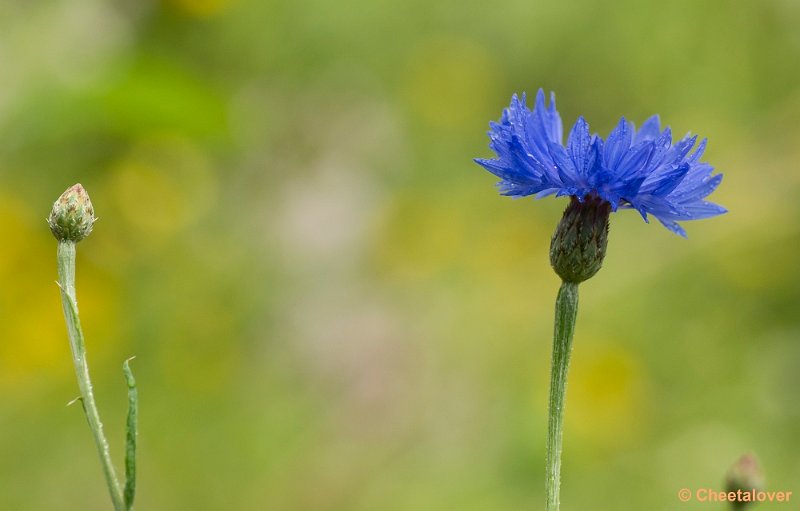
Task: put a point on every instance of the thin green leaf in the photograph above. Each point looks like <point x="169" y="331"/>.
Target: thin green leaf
<point x="131" y="432"/>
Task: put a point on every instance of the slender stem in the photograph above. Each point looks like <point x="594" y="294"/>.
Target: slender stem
<point x="566" y="312"/>
<point x="66" y="280"/>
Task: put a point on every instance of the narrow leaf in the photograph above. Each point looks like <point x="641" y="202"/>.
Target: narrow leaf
<point x="130" y="437"/>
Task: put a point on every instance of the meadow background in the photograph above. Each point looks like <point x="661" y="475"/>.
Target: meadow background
<point x="331" y="307"/>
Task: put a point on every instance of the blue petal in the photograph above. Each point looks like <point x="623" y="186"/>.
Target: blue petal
<point x="682" y="147"/>
<point x="566" y="168"/>
<point x="514" y="189"/>
<point x="668" y="182"/>
<point x="580" y="148"/>
<point x="698" y="190"/>
<point x="702" y="209"/>
<point x="619" y="141"/>
<point x="546" y="192"/>
<point x="701" y="148"/>
<point x="631" y="188"/>
<point x="674" y="227"/>
<point x="650" y="130"/>
<point x="504" y="172"/>
<point x="662" y="145"/>
<point x="635" y="160"/>
<point x="548" y="120"/>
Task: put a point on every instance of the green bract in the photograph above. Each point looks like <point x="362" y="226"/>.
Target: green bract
<point x="579" y="244"/>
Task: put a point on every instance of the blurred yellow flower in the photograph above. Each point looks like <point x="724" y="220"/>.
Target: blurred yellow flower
<point x="162" y="185"/>
<point x="201" y="8"/>
<point x="607" y="394"/>
<point x="452" y="82"/>
<point x="30" y="313"/>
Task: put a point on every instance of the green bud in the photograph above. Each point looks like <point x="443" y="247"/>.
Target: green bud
<point x="744" y="475"/>
<point x="579" y="243"/>
<point x="72" y="217"/>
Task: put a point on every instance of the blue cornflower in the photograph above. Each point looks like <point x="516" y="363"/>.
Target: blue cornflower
<point x="640" y="169"/>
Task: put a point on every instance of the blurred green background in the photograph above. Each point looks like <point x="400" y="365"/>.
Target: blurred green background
<point x="331" y="307"/>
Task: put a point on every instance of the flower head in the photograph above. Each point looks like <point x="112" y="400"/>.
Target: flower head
<point x="72" y="217"/>
<point x="640" y="169"/>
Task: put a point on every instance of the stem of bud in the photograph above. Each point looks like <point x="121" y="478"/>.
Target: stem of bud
<point x="66" y="281"/>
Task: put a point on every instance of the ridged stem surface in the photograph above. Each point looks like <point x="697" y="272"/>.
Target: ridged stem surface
<point x="566" y="312"/>
<point x="66" y="280"/>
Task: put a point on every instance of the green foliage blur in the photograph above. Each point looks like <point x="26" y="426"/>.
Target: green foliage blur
<point x="331" y="307"/>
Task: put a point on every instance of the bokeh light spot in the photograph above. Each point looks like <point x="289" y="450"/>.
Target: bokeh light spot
<point x="452" y="82"/>
<point x="162" y="186"/>
<point x="606" y="394"/>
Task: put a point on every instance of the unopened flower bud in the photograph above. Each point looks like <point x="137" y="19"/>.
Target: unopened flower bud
<point x="579" y="243"/>
<point x="72" y="217"/>
<point x="744" y="475"/>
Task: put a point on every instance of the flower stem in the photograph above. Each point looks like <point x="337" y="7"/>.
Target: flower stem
<point x="566" y="312"/>
<point x="66" y="281"/>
